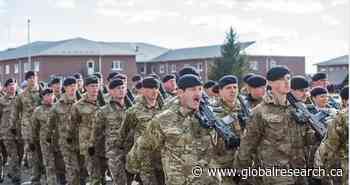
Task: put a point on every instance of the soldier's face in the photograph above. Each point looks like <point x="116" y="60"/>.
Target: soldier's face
<point x="80" y="83"/>
<point x="170" y="85"/>
<point x="33" y="80"/>
<point x="92" y="89"/>
<point x="320" y="83"/>
<point x="56" y="87"/>
<point x="257" y="92"/>
<point x="229" y="92"/>
<point x="118" y="92"/>
<point x="321" y="100"/>
<point x="301" y="94"/>
<point x="190" y="97"/>
<point x="281" y="86"/>
<point x="150" y="93"/>
<point x="11" y="88"/>
<point x="49" y="99"/>
<point x="70" y="89"/>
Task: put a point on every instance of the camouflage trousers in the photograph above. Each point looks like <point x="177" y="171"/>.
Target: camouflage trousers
<point x="36" y="163"/>
<point x="92" y="169"/>
<point x="49" y="162"/>
<point x="14" y="165"/>
<point x="70" y="157"/>
<point x="116" y="166"/>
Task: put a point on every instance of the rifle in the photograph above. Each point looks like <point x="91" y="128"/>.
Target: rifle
<point x="245" y="114"/>
<point x="162" y="95"/>
<point x="302" y="114"/>
<point x="100" y="99"/>
<point x="207" y="119"/>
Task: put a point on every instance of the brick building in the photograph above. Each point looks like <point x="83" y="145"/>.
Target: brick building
<point x="336" y="68"/>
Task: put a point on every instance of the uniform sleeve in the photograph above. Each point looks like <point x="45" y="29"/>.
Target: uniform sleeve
<point x="98" y="128"/>
<point x="52" y="124"/>
<point x="127" y="129"/>
<point x="17" y="114"/>
<point x="73" y="127"/>
<point x="35" y="126"/>
<point x="249" y="142"/>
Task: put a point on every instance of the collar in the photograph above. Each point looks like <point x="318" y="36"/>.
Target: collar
<point x="271" y="98"/>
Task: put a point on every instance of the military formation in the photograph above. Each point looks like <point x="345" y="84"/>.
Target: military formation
<point x="82" y="130"/>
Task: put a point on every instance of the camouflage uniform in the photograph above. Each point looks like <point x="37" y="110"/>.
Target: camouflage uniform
<point x="10" y="133"/>
<point x="224" y="158"/>
<point x="83" y="118"/>
<point x="137" y="119"/>
<point x="42" y="132"/>
<point x="336" y="145"/>
<point x="183" y="145"/>
<point x="27" y="101"/>
<point x="60" y="121"/>
<point x="276" y="140"/>
<point x="252" y="102"/>
<point x="108" y="122"/>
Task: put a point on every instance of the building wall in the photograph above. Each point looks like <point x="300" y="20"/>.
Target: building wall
<point x="336" y="73"/>
<point x="67" y="65"/>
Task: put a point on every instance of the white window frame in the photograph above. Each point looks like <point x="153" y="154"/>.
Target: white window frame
<point x="161" y="68"/>
<point x="116" y="65"/>
<point x="36" y="66"/>
<point x="16" y="67"/>
<point x="26" y="67"/>
<point x="323" y="69"/>
<point x="173" y="68"/>
<point x="199" y="67"/>
<point x="7" y="69"/>
<point x="273" y="63"/>
<point x="253" y="65"/>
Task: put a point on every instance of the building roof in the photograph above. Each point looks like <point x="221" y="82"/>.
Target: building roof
<point x="213" y="51"/>
<point x="343" y="60"/>
<point x="81" y="46"/>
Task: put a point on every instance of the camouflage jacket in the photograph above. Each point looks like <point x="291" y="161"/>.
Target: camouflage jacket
<point x="275" y="139"/>
<point x="10" y="127"/>
<point x="108" y="122"/>
<point x="60" y="122"/>
<point x="137" y="119"/>
<point x="222" y="156"/>
<point x="252" y="102"/>
<point x="335" y="147"/>
<point x="183" y="145"/>
<point x="41" y="130"/>
<point x="83" y="117"/>
<point x="26" y="102"/>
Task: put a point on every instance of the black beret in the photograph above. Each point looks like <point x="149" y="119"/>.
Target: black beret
<point x="69" y="81"/>
<point x="154" y="76"/>
<point x="344" y="93"/>
<point x="98" y="75"/>
<point x="150" y="82"/>
<point x="29" y="74"/>
<point x="78" y="76"/>
<point x="120" y="76"/>
<point x="91" y="80"/>
<point x="256" y="81"/>
<point x="136" y="78"/>
<point x="55" y="80"/>
<point x="318" y="91"/>
<point x="319" y="76"/>
<point x="46" y="91"/>
<point x="115" y="83"/>
<point x="188" y="80"/>
<point x="245" y="78"/>
<point x="188" y="70"/>
<point x="112" y="75"/>
<point x="227" y="79"/>
<point x="9" y="81"/>
<point x="299" y="82"/>
<point x="209" y="83"/>
<point x="277" y="73"/>
<point x="138" y="85"/>
<point x="168" y="77"/>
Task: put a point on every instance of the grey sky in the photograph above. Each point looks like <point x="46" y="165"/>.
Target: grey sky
<point x="317" y="29"/>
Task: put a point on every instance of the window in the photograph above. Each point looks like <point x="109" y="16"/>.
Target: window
<point x="16" y="69"/>
<point x="173" y="68"/>
<point x="153" y="69"/>
<point x="200" y="67"/>
<point x="36" y="66"/>
<point x="331" y="69"/>
<point x="253" y="65"/>
<point x="161" y="68"/>
<point x="273" y="63"/>
<point x="26" y="67"/>
<point x="142" y="70"/>
<point x="7" y="69"/>
<point x="323" y="69"/>
<point x="116" y="65"/>
<point x="90" y="64"/>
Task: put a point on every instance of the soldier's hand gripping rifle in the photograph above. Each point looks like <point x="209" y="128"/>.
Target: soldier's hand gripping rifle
<point x="207" y="119"/>
<point x="246" y="113"/>
<point x="303" y="114"/>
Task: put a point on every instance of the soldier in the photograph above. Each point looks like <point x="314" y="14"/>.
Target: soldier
<point x="256" y="89"/>
<point x="61" y="124"/>
<point x="10" y="131"/>
<point x="42" y="132"/>
<point x="300" y="88"/>
<point x="80" y="83"/>
<point x="56" y="86"/>
<point x="83" y="117"/>
<point x="183" y="143"/>
<point x="273" y="136"/>
<point x="108" y="122"/>
<point x="26" y="102"/>
<point x="344" y="94"/>
<point x="320" y="80"/>
<point x="244" y="88"/>
<point x="135" y="79"/>
<point x="227" y="109"/>
<point x="169" y="84"/>
<point x="319" y="96"/>
<point x="137" y="119"/>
